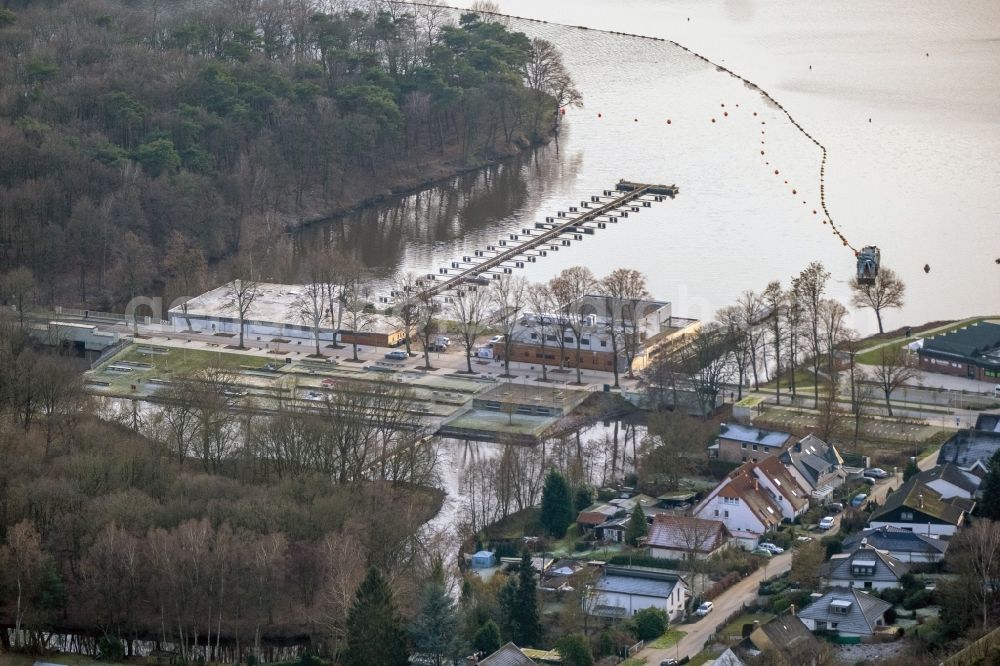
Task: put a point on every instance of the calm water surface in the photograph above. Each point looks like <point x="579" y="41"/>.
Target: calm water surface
<point x="920" y="180"/>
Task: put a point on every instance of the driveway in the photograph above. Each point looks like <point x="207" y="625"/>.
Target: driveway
<point x="726" y="603"/>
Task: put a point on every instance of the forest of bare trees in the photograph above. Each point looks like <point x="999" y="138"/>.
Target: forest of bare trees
<point x="143" y="141"/>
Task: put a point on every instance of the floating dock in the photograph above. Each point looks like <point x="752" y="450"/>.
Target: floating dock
<point x="518" y="249"/>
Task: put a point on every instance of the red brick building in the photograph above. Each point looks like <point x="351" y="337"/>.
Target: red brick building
<point x="972" y="351"/>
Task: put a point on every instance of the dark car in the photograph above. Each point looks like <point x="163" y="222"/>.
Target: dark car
<point x="835" y="507"/>
<point x="436" y="348"/>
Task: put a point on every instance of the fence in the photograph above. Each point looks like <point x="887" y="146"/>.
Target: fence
<point x="111" y="351"/>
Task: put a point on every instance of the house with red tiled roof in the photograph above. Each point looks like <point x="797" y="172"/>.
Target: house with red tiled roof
<point x="687" y="537"/>
<point x="753" y="499"/>
<point x="783" y="487"/>
<point x="742" y="505"/>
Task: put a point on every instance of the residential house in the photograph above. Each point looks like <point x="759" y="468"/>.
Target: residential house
<point x="508" y="655"/>
<point x="597" y="514"/>
<point x="972" y="351"/>
<point x="864" y="566"/>
<point x="903" y="545"/>
<point x="687" y="537"/>
<point x="622" y="591"/>
<point x="970" y="449"/>
<point x="739" y="443"/>
<point x="783" y="487"/>
<point x="919" y="508"/>
<point x="743" y="505"/>
<point x="784" y="641"/>
<point x="816" y="465"/>
<point x="951" y="481"/>
<point x="847" y="612"/>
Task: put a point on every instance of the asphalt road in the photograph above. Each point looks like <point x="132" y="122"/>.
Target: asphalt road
<point x="725" y="604"/>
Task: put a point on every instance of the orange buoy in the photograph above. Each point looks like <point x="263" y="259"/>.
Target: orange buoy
<point x="794" y="192"/>
<point x="713" y="120"/>
<point x="723" y="106"/>
<point x="599" y="115"/>
<point x="775" y="172"/>
<point x="814" y="212"/>
<point x="562" y="111"/>
<point x="725" y="113"/>
<point x="755" y="113"/>
<point x="636" y="119"/>
<point x="668" y="121"/>
<point x="762" y="152"/>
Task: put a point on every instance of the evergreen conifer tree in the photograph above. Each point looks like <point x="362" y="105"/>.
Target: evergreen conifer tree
<point x="637" y="526"/>
<point x="557" y="504"/>
<point x="487" y="638"/>
<point x="910" y="470"/>
<point x="989" y="507"/>
<point x="435" y="629"/>
<point x="529" y="627"/>
<point x="374" y="630"/>
<point x="574" y="650"/>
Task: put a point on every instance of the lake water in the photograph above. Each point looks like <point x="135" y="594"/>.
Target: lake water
<point x="919" y="180"/>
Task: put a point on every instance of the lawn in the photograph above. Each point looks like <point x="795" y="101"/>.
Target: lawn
<point x="669" y="639"/>
<point x="871" y="357"/>
<point x="633" y="661"/>
<point x="735" y="628"/>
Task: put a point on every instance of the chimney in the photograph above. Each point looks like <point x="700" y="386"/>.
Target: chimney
<point x="920" y="500"/>
<point x="791" y="609"/>
<point x="864" y="542"/>
<point x="756" y="486"/>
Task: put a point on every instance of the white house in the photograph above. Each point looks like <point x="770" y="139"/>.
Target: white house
<point x="746" y="506"/>
<point x="919" y="508"/>
<point x="622" y="591"/>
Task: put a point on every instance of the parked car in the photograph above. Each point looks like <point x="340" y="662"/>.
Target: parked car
<point x="859" y="500"/>
<point x="435" y="347"/>
<point x="876" y="473"/>
<point x="771" y="548"/>
<point x="835" y="507"/>
<point x="669" y="662"/>
<point x="705" y="608"/>
<point x="762" y="552"/>
<point x="398" y="355"/>
<point x="826" y="523"/>
<point x="867" y="480"/>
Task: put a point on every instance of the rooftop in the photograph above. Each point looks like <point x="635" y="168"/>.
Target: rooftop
<point x="919" y="497"/>
<point x="508" y="655"/>
<point x="844" y="566"/>
<point x="967" y="446"/>
<point x="861" y="611"/>
<point x="953" y="475"/>
<point x="894" y="539"/>
<point x="275" y="303"/>
<point x="687" y="533"/>
<point x="977" y="340"/>
<point x="645" y="581"/>
<point x="750" y="434"/>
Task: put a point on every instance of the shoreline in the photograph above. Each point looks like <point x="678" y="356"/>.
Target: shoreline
<point x="409" y="182"/>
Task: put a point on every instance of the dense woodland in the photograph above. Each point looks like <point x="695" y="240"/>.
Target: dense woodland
<point x="144" y="139"/>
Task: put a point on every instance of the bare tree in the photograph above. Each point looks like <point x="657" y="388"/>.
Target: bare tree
<point x="359" y="311"/>
<point x="706" y="364"/>
<point x="977" y="558"/>
<point x="241" y="295"/>
<point x="775" y="304"/>
<point x="185" y="267"/>
<point x="809" y="287"/>
<point x="310" y="307"/>
<point x="624" y="289"/>
<point x="540" y="301"/>
<point x="860" y="389"/>
<point x="19" y="286"/>
<point x="752" y="313"/>
<point x="509" y="295"/>
<point x="568" y="288"/>
<point x="730" y="319"/>
<point x="471" y="304"/>
<point x="547" y="77"/>
<point x="406" y="305"/>
<point x="892" y="370"/>
<point x="22" y="559"/>
<point x="427" y="324"/>
<point x="888" y="291"/>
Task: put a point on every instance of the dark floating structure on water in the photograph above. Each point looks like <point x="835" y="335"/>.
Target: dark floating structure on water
<point x="868" y="262"/>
